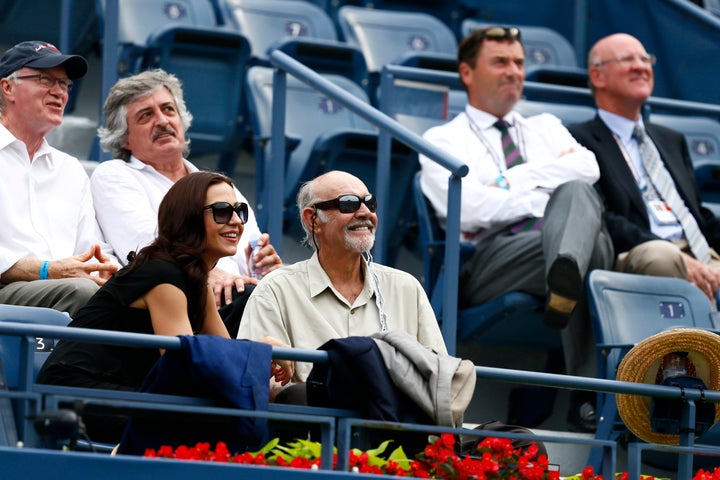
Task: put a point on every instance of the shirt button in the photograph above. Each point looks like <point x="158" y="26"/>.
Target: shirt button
<point x="352" y="311"/>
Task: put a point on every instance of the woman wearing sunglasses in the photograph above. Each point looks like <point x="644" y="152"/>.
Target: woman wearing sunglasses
<point x="164" y="290"/>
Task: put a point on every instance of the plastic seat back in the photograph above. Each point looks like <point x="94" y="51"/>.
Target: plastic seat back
<point x="626" y="309"/>
<point x="384" y="36"/>
<point x="703" y="139"/>
<point x="138" y="19"/>
<point x="309" y="113"/>
<point x="567" y="113"/>
<point x="264" y="22"/>
<point x="14" y="361"/>
<point x="10" y="346"/>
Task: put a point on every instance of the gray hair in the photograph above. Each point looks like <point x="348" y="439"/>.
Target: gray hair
<point x="129" y="90"/>
<point x="13" y="76"/>
<point x="306" y="197"/>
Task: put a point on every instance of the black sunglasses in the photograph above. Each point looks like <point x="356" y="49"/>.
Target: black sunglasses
<point x="223" y="211"/>
<point x="349" y="203"/>
<point x="501" y="33"/>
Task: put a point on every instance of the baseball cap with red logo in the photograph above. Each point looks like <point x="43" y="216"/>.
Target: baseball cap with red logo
<point x="38" y="54"/>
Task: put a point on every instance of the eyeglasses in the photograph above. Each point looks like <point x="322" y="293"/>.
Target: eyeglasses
<point x="628" y="60"/>
<point x="349" y="203"/>
<point x="501" y="33"/>
<point x="223" y="211"/>
<point x="49" y="81"/>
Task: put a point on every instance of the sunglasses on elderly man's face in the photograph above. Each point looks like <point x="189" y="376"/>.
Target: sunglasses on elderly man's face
<point x="349" y="203"/>
<point x="502" y="33"/>
<point x="223" y="211"/>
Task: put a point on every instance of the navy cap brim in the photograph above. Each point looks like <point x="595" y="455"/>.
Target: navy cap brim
<point x="75" y="65"/>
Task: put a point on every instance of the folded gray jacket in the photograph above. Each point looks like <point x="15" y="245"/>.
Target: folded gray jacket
<point x="441" y="385"/>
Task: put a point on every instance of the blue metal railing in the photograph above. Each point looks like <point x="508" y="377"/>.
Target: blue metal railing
<point x="28" y="333"/>
<point x="388" y="127"/>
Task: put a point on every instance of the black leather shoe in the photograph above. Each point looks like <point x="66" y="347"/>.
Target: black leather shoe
<point x="565" y="287"/>
<point x="582" y="419"/>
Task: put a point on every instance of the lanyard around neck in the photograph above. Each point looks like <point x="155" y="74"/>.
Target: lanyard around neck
<point x="499" y="163"/>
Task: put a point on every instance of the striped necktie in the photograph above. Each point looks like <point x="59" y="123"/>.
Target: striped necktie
<point x="510" y="150"/>
<point x="665" y="187"/>
<point x="513" y="157"/>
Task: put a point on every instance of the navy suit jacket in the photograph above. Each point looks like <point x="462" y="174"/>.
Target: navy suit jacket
<point x="625" y="211"/>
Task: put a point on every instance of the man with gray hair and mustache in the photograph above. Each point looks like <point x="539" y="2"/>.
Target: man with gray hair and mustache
<point x="339" y="292"/>
<point x="146" y="119"/>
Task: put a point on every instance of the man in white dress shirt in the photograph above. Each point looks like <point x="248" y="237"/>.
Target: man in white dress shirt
<point x="146" y="120"/>
<point x="51" y="250"/>
<point x="528" y="203"/>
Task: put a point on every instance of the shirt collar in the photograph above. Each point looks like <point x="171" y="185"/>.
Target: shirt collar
<point x="138" y="164"/>
<point x="319" y="280"/>
<point x="7" y="138"/>
<point x="485" y="120"/>
<point x="620" y="126"/>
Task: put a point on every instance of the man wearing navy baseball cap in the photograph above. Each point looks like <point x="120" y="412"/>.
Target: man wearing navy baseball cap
<point x="52" y="253"/>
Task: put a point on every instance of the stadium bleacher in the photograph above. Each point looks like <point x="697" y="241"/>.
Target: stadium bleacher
<point x="683" y="35"/>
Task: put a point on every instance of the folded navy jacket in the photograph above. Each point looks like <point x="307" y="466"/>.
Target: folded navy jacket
<point x="231" y="373"/>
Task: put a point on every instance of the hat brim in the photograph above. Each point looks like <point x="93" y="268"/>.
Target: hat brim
<point x="75" y="65"/>
<point x="641" y="364"/>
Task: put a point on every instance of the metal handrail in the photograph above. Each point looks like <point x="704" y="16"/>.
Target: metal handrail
<point x="31" y="331"/>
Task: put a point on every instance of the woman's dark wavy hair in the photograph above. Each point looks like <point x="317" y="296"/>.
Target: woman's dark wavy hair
<point x="181" y="238"/>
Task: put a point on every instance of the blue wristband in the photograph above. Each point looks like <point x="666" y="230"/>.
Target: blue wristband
<point x="44" y="267"/>
<point x="502" y="182"/>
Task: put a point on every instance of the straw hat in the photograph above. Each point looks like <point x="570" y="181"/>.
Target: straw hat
<point x="642" y="363"/>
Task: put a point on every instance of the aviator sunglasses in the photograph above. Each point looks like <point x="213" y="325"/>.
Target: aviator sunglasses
<point x="501" y="33"/>
<point x="349" y="203"/>
<point x="223" y="211"/>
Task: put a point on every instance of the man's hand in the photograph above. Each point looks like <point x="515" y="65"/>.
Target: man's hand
<point x="80" y="266"/>
<point x="267" y="259"/>
<point x="702" y="275"/>
<point x="281" y="371"/>
<point x="223" y="284"/>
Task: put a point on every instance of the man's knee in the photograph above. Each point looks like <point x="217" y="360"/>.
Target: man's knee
<point x="73" y="293"/>
<point x="657" y="257"/>
<point x="577" y="189"/>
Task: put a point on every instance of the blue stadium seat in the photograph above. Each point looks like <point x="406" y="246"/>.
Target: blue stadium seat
<point x="627" y="308"/>
<point x="264" y="22"/>
<point x="703" y="139"/>
<point x="549" y="57"/>
<point x="309" y="114"/>
<point x="13" y="358"/>
<point x="514" y="318"/>
<point x="398" y="37"/>
<point x="568" y="113"/>
<point x="301" y="29"/>
<point x="183" y="38"/>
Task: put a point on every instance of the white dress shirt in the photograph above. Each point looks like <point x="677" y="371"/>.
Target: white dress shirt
<point x="552" y="157"/>
<point x="127" y="196"/>
<point x="47" y="208"/>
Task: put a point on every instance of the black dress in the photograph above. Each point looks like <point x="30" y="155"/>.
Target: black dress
<point x="115" y="367"/>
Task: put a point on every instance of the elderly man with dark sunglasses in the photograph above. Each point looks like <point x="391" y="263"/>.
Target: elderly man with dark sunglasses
<point x="52" y="253"/>
<point x="146" y="120"/>
<point x="528" y="202"/>
<point x="339" y="292"/>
